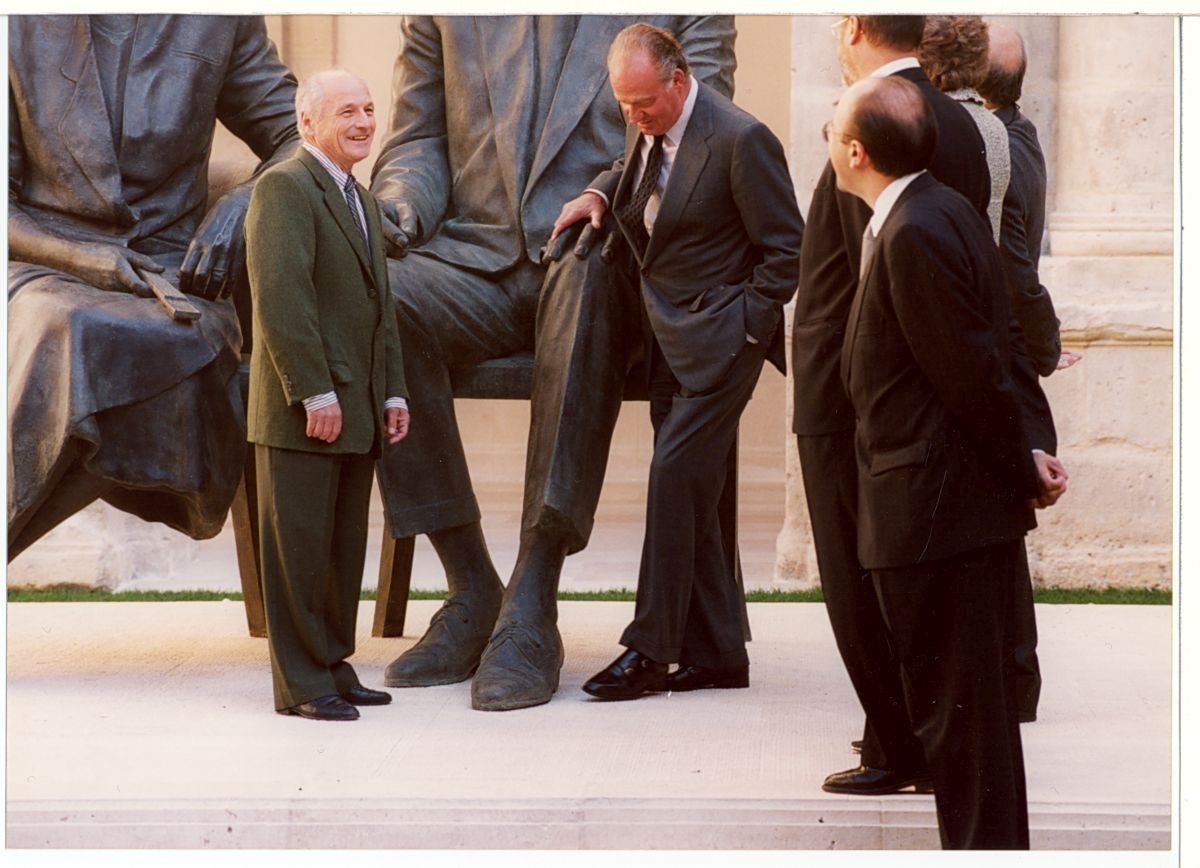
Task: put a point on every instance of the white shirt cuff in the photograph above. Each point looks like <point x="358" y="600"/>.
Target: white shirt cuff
<point x="320" y="402"/>
<point x="598" y="193"/>
<point x="397" y="403"/>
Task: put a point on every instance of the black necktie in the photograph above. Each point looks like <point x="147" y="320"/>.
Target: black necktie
<point x="633" y="212"/>
<point x="352" y="201"/>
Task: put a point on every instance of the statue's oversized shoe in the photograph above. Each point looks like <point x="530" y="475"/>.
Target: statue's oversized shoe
<point x="519" y="668"/>
<point x="449" y="651"/>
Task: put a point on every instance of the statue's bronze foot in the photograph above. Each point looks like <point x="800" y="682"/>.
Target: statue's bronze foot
<point x="449" y="651"/>
<point x="519" y="669"/>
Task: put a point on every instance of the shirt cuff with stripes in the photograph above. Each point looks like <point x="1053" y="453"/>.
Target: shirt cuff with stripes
<point x="320" y="402"/>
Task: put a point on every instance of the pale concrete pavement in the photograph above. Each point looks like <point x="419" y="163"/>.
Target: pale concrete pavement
<point x="150" y="725"/>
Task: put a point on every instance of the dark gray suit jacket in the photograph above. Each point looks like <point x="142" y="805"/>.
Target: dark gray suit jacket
<point x="1021" y="228"/>
<point x="724" y="256"/>
<point x="944" y="460"/>
<point x="460" y="151"/>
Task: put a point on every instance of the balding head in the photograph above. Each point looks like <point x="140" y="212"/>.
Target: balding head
<point x="1006" y="67"/>
<point x="893" y="121"/>
<point x="882" y="129"/>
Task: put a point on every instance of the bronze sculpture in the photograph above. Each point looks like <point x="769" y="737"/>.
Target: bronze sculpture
<point x="111" y="121"/>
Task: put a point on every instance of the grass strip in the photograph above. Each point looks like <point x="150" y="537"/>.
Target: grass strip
<point x="81" y="594"/>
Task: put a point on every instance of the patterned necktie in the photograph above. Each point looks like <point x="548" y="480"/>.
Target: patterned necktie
<point x="351" y="195"/>
<point x="633" y="212"/>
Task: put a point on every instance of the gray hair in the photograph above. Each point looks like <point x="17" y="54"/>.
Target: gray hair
<point x="659" y="45"/>
<point x="310" y="95"/>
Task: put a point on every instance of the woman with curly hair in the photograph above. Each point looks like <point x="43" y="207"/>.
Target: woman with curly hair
<point x="953" y="52"/>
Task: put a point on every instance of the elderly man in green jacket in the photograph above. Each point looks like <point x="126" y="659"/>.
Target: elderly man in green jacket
<point x="327" y="393"/>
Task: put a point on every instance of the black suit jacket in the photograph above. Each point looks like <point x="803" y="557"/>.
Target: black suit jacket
<point x="829" y="262"/>
<point x="944" y="461"/>
<point x="724" y="256"/>
<point x="1021" y="228"/>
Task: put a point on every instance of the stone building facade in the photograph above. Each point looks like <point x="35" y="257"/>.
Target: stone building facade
<point x="1106" y="117"/>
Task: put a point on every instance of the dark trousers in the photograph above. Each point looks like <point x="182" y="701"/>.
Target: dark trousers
<point x="830" y="472"/>
<point x="573" y="316"/>
<point x="948" y="621"/>
<point x="689" y="605"/>
<point x="1021" y="669"/>
<point x="312" y="513"/>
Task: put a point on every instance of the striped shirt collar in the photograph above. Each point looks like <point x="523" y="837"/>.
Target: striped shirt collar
<point x="335" y="171"/>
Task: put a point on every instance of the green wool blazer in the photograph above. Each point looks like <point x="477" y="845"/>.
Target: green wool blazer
<point x="323" y="314"/>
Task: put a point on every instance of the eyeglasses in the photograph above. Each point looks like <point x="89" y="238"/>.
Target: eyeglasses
<point x="827" y="129"/>
<point x="835" y="25"/>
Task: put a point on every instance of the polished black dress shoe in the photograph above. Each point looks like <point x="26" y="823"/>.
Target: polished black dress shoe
<point x="866" y="781"/>
<point x="331" y="707"/>
<point x="631" y="675"/>
<point x="701" y="678"/>
<point x="856" y="745"/>
<point x="359" y="695"/>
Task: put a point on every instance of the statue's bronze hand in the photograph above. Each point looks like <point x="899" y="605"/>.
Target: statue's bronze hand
<point x="218" y="249"/>
<point x="113" y="268"/>
<point x="400" y="228"/>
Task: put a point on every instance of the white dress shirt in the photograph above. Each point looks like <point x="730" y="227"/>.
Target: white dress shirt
<point x="896" y="65"/>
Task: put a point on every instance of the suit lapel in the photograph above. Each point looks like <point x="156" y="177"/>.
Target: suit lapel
<point x="375" y="237"/>
<point x="915" y="186"/>
<point x="506" y="54"/>
<point x="585" y="72"/>
<point x="335" y="201"/>
<point x="689" y="163"/>
<point x="84" y="125"/>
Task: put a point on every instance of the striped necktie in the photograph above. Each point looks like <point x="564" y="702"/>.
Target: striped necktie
<point x="351" y="195"/>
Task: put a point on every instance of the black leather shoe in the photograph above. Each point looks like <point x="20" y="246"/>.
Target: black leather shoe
<point x="359" y="695"/>
<point x="629" y="676"/>
<point x="701" y="678"/>
<point x="331" y="707"/>
<point x="866" y="781"/>
<point x="856" y="745"/>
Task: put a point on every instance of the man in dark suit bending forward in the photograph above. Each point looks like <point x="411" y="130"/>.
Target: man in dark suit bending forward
<point x="708" y="214"/>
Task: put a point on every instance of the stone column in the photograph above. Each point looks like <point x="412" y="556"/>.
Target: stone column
<point x="815" y="84"/>
<point x="1110" y="271"/>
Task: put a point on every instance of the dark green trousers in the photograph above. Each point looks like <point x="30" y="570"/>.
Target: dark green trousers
<point x="312" y="515"/>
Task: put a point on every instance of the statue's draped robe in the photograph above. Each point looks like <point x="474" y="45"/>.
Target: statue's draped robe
<point x="104" y="386"/>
